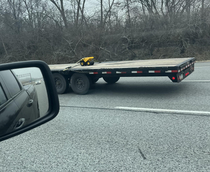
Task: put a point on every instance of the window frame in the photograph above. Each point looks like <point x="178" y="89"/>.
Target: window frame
<point x="5" y="95"/>
<point x="7" y="91"/>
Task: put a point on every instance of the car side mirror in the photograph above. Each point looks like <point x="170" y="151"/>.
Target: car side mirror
<point x="28" y="97"/>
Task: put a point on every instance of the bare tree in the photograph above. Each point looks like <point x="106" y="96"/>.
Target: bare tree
<point x="127" y="5"/>
<point x="80" y="9"/>
<point x="102" y="14"/>
<point x="108" y="12"/>
<point x="60" y="7"/>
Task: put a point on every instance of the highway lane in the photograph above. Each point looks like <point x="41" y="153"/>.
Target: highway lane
<point x="92" y="140"/>
<point x="42" y="98"/>
<point x="90" y="134"/>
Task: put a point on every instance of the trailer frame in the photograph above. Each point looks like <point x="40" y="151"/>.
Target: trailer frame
<point x="81" y="78"/>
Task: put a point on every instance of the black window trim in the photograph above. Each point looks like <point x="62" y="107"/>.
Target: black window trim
<point x="19" y="83"/>
<point x="8" y="92"/>
<point x="4" y="105"/>
<point x="2" y="88"/>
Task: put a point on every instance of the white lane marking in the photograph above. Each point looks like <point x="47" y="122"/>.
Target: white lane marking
<point x="201" y="67"/>
<point x="187" y="112"/>
<point x="196" y="81"/>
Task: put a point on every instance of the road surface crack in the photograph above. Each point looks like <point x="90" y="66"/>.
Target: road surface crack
<point x="141" y="153"/>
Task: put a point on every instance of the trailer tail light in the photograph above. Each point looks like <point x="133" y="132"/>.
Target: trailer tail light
<point x="186" y="74"/>
<point x="174" y="78"/>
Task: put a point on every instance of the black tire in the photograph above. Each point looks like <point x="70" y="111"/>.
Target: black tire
<point x="61" y="83"/>
<point x="111" y="80"/>
<point x="82" y="63"/>
<point x="90" y="63"/>
<point x="80" y="83"/>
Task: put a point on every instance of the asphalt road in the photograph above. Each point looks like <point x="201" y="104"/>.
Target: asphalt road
<point x="42" y="98"/>
<point x="91" y="132"/>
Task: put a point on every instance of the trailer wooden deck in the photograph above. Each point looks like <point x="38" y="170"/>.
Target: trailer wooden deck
<point x="152" y="63"/>
<point x="81" y="77"/>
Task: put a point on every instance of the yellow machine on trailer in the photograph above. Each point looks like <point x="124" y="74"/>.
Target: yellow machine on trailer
<point x="86" y="61"/>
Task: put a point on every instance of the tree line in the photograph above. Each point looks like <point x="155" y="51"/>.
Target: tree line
<point x="63" y="31"/>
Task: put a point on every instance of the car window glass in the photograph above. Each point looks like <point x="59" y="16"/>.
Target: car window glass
<point x="3" y="98"/>
<point x="10" y="82"/>
<point x="31" y="78"/>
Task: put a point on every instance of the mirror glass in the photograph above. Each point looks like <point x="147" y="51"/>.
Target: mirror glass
<point x="23" y="98"/>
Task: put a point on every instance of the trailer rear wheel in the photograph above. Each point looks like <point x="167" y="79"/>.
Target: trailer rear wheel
<point x="61" y="83"/>
<point x="80" y="83"/>
<point x="111" y="80"/>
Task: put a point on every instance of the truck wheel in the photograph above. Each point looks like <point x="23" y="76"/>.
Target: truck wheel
<point x="61" y="83"/>
<point x="80" y="83"/>
<point x="90" y="63"/>
<point x="111" y="80"/>
<point x="82" y="63"/>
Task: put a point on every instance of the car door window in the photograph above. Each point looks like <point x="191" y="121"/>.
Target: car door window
<point x="3" y="98"/>
<point x="10" y="82"/>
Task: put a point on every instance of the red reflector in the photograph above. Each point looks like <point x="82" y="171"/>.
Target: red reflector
<point x="95" y="72"/>
<point x="157" y="71"/>
<point x="108" y="72"/>
<point x="187" y="73"/>
<point x="174" y="71"/>
<point x="139" y="72"/>
<point x="173" y="78"/>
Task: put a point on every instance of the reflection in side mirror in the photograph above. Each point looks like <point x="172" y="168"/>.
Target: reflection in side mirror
<point x="23" y="98"/>
<point x="38" y="82"/>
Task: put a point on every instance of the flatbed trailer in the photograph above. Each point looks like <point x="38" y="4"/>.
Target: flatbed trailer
<point x="80" y="77"/>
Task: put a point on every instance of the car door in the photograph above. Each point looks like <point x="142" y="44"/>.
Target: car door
<point x="8" y="110"/>
<point x="28" y="95"/>
<point x="20" y="98"/>
<point x="33" y="101"/>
